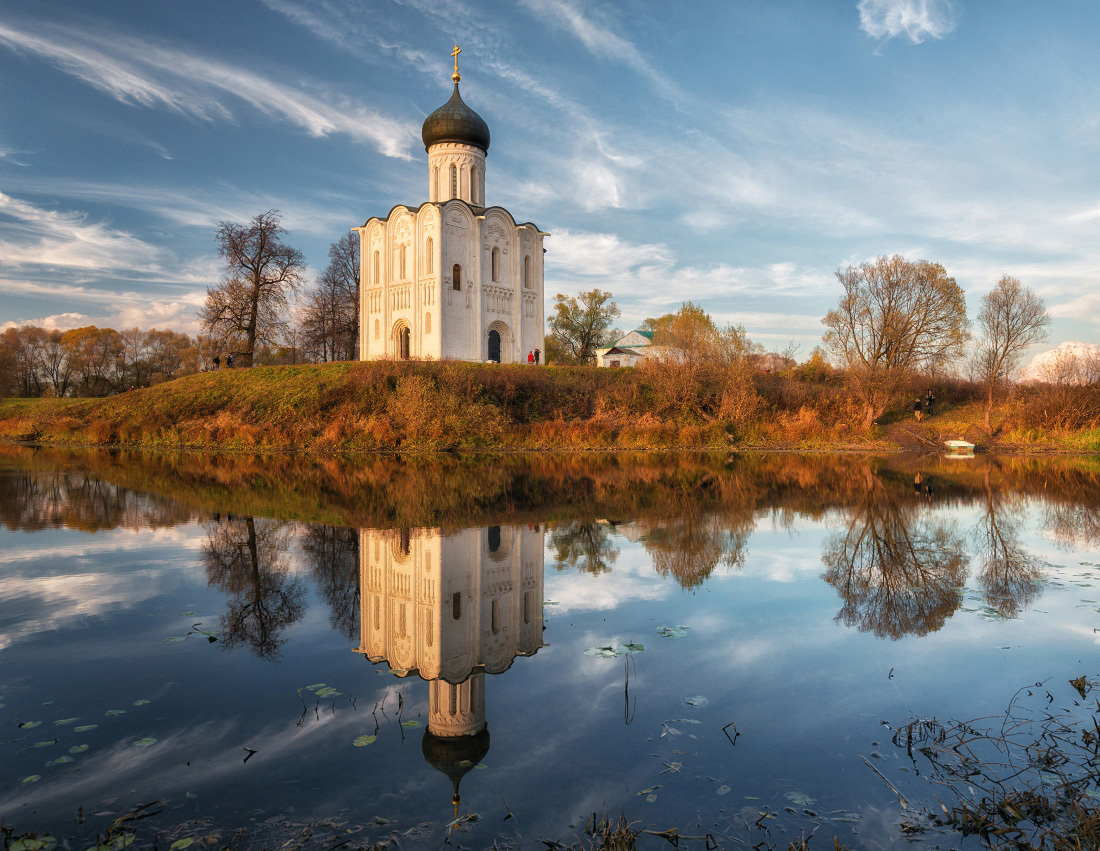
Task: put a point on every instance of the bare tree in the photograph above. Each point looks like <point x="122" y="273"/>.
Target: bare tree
<point x="247" y="307"/>
<point x="581" y="325"/>
<point x="896" y="316"/>
<point x="329" y="321"/>
<point x="1011" y="319"/>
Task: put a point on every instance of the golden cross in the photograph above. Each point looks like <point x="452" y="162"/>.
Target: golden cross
<point x="456" y="76"/>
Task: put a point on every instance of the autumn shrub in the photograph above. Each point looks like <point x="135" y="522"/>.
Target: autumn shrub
<point x="1056" y="407"/>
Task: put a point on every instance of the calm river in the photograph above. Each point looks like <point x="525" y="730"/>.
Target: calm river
<point x="294" y="653"/>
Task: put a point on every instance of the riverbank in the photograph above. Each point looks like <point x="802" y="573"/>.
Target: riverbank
<point x="416" y="406"/>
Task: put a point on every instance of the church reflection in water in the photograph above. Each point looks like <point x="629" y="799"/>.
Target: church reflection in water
<point x="452" y="607"/>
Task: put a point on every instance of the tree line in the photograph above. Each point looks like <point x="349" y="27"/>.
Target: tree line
<point x="898" y="322"/>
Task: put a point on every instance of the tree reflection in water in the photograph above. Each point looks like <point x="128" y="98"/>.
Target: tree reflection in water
<point x="1009" y="576"/>
<point x="897" y="572"/>
<point x="247" y="558"/>
<point x="332" y="555"/>
<point x="691" y="546"/>
<point x="585" y="546"/>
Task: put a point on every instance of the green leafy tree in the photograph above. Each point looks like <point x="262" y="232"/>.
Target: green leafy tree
<point x="581" y="325"/>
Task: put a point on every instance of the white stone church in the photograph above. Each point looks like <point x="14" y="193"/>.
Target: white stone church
<point x="452" y="278"/>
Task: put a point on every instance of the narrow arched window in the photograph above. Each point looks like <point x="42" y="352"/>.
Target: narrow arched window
<point x="427" y="323"/>
<point x="527" y="271"/>
<point x="456" y="605"/>
<point x="377" y="329"/>
<point x="475" y="185"/>
<point x="403" y="275"/>
<point x="456" y="277"/>
<point x="377" y="269"/>
<point x="428" y="259"/>
<point x="454" y="181"/>
<point x="496" y="264"/>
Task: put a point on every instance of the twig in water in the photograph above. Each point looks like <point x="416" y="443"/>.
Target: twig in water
<point x="733" y="741"/>
<point x="250" y="752"/>
<point x="882" y="777"/>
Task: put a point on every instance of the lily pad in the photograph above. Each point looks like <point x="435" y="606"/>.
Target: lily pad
<point x="146" y="742"/>
<point x="363" y="741"/>
<point x="410" y="724"/>
<point x="45" y="744"/>
<point x="29" y="725"/>
<point x="113" y="712"/>
<point x="480" y="766"/>
<point x="698" y="701"/>
<point x="61" y="760"/>
<point x="185" y="614"/>
<point x="84" y="728"/>
<point x="34" y="778"/>
<point x="551" y="603"/>
<point x="799" y="799"/>
<point x="722" y="790"/>
<point x="180" y="844"/>
<point x="602" y="652"/>
<point x="315" y="686"/>
<point x="65" y="721"/>
<point x="633" y="648"/>
<point x="78" y="749"/>
<point x="142" y="702"/>
<point x="174" y="639"/>
<point x="673" y="631"/>
<point x="327" y="692"/>
<point x="34" y="843"/>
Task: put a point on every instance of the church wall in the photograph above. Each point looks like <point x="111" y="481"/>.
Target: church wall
<point x="458" y="308"/>
<point x="447" y="605"/>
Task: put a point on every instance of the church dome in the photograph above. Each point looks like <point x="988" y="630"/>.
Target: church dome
<point x="455" y="122"/>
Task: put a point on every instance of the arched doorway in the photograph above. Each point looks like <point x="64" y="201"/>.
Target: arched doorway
<point x="494" y="346"/>
<point x="402" y="338"/>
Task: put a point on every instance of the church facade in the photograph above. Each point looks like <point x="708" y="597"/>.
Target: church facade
<point x="452" y="278"/>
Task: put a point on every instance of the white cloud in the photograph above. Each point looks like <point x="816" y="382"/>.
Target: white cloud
<point x="916" y="19"/>
<point x="146" y="74"/>
<point x="601" y="41"/>
<point x="41" y="237"/>
<point x="604" y="254"/>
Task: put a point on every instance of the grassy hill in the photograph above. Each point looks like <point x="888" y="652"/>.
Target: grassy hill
<point x="387" y="406"/>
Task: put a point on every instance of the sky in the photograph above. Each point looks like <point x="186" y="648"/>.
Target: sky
<point x="735" y="154"/>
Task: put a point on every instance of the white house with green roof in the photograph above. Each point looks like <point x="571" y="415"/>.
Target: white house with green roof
<point x="626" y="351"/>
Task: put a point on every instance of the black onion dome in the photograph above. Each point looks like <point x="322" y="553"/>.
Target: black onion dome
<point x="455" y="122"/>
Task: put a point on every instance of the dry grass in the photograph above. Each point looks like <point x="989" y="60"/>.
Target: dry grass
<point x="400" y="406"/>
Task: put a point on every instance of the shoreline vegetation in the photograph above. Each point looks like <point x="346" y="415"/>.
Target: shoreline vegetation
<point x="403" y="406"/>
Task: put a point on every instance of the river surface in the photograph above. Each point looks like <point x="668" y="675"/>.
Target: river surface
<point x="278" y="651"/>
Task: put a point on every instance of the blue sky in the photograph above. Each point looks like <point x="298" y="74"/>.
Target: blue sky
<point x="731" y="153"/>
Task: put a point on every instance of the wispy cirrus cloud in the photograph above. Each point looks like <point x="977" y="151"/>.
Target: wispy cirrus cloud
<point x="143" y="73"/>
<point x="602" y="41"/>
<point x="104" y="275"/>
<point x="917" y="20"/>
<point x="34" y="236"/>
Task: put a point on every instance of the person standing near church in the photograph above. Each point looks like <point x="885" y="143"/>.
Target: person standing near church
<point x="537" y="355"/>
<point x="530" y="358"/>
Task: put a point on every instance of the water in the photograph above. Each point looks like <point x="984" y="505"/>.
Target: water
<point x="340" y="650"/>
